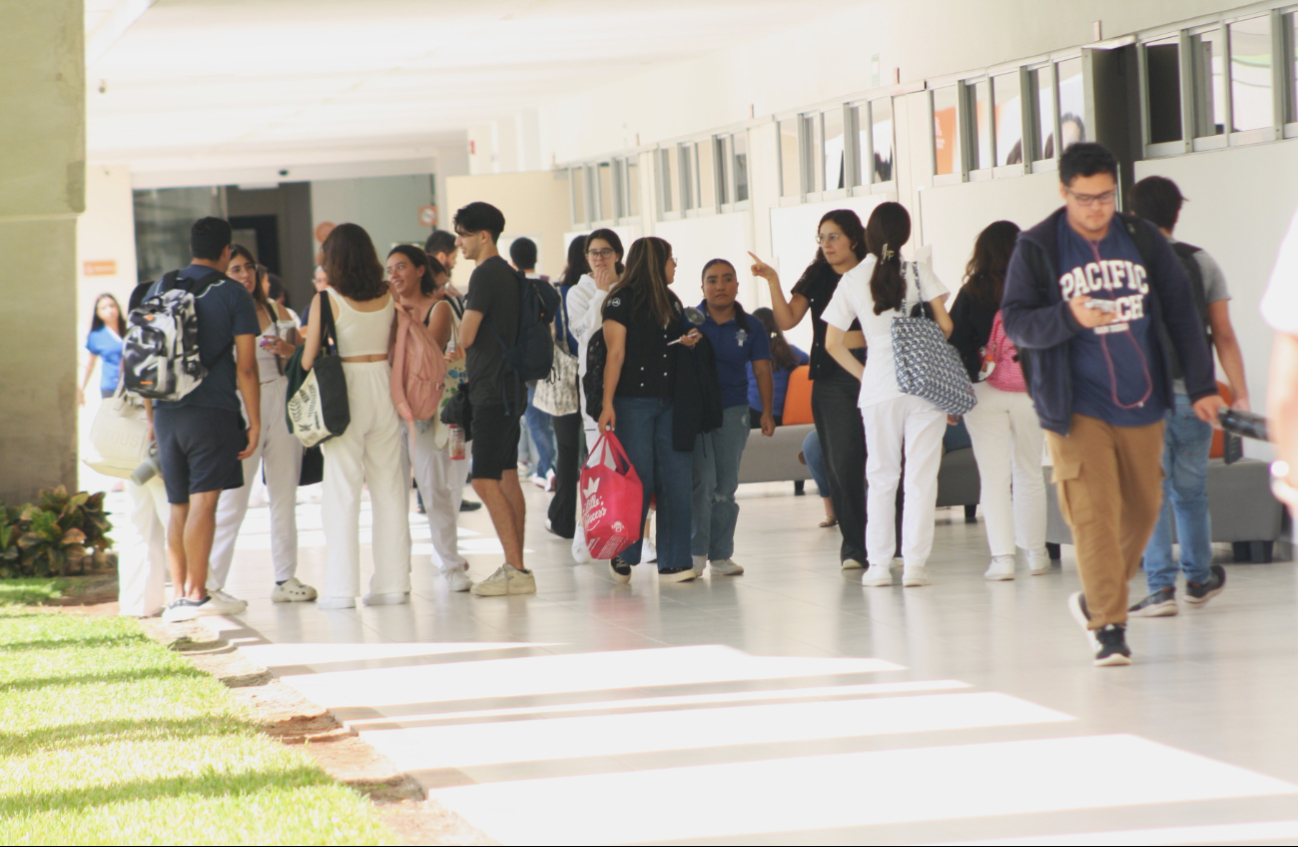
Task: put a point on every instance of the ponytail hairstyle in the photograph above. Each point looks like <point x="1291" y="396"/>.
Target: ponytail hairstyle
<point x="645" y="278"/>
<point x="417" y="257"/>
<point x="258" y="293"/>
<point x="613" y="242"/>
<point x="781" y="353"/>
<point x="713" y="263"/>
<point x="887" y="231"/>
<point x="577" y="264"/>
<point x="985" y="274"/>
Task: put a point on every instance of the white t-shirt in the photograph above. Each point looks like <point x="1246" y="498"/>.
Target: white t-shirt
<point x="1280" y="303"/>
<point x="853" y="301"/>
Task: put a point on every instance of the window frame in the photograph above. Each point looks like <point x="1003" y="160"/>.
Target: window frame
<point x="860" y="157"/>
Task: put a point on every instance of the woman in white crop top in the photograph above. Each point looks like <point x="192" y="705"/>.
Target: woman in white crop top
<point x="278" y="453"/>
<point x="875" y="292"/>
<point x="369" y="451"/>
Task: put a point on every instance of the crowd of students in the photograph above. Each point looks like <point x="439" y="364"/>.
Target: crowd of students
<point x="1089" y="335"/>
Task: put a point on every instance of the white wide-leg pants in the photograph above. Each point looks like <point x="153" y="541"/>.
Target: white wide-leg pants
<point x="280" y="453"/>
<point x="142" y="562"/>
<point x="1007" y="442"/>
<point x="441" y="485"/>
<point x="368" y="453"/>
<point x="911" y="427"/>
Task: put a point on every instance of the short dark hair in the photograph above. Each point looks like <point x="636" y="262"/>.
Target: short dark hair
<point x="209" y="237"/>
<point x="351" y="264"/>
<point x="480" y="217"/>
<point x="1086" y="158"/>
<point x="440" y="241"/>
<point x="523" y="254"/>
<point x="712" y="262"/>
<point x="1158" y="200"/>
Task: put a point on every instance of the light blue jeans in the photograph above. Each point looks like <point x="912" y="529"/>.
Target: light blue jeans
<point x="816" y="462"/>
<point x="1185" y="496"/>
<point x="716" y="476"/>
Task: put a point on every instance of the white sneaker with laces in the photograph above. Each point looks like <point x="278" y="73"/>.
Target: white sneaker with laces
<point x="457" y="579"/>
<point x="727" y="567"/>
<point x="220" y="603"/>
<point x="395" y="598"/>
<point x="506" y="580"/>
<point x="1002" y="567"/>
<point x="184" y="609"/>
<point x="877" y="576"/>
<point x="699" y="563"/>
<point x="292" y="591"/>
<point x="580" y="552"/>
<point x="915" y="577"/>
<point x="1039" y="562"/>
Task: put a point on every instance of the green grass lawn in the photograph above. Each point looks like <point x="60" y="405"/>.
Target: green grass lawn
<point x="31" y="592"/>
<point x="107" y="737"/>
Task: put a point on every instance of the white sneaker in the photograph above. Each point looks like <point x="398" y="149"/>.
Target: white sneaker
<point x="699" y="563"/>
<point x="506" y="580"/>
<point x="1039" y="562"/>
<point x="1002" y="567"/>
<point x="336" y="603"/>
<point x="727" y="567"/>
<point x="877" y="576"/>
<point x="686" y="575"/>
<point x="396" y="598"/>
<point x="580" y="552"/>
<point x="852" y="565"/>
<point x="220" y="603"/>
<point x="541" y="482"/>
<point x="292" y="591"/>
<point x="457" y="579"/>
<point x="184" y="609"/>
<point x="649" y="551"/>
<point x="915" y="577"/>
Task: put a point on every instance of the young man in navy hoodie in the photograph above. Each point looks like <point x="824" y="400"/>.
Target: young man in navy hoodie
<point x="1084" y="296"/>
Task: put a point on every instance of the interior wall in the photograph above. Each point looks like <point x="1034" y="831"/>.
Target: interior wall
<point x="387" y="207"/>
<point x="535" y="204"/>
<point x="290" y="203"/>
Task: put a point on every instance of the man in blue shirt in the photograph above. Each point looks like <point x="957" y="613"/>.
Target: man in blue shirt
<point x="1086" y="294"/>
<point x="201" y="437"/>
<point x="738" y="340"/>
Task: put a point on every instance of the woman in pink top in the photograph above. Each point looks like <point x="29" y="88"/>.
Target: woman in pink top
<point x="1007" y="438"/>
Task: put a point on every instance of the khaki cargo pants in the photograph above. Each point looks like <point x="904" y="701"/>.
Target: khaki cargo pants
<point x="1110" y="481"/>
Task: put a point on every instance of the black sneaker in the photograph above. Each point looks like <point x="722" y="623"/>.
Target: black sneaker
<point x="1199" y="593"/>
<point x="1160" y="604"/>
<point x="621" y="570"/>
<point x="1113" y="646"/>
<point x="470" y="505"/>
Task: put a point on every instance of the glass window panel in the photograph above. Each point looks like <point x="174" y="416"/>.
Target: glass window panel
<point x="881" y="138"/>
<point x="1044" y="144"/>
<point x="1209" y="83"/>
<point x="861" y="149"/>
<point x="1250" y="74"/>
<point x="790" y="164"/>
<point x="633" y="187"/>
<point x="739" y="158"/>
<point x="578" y="186"/>
<point x="1163" y="64"/>
<point x="1009" y="119"/>
<point x="606" y="208"/>
<point x="720" y="155"/>
<point x="812" y="163"/>
<point x="980" y="108"/>
<point x="1072" y="103"/>
<point x="946" y="142"/>
<point x="1293" y="60"/>
<point x="671" y="187"/>
<point x="707" y="175"/>
<point x="833" y="167"/>
<point x="685" y="170"/>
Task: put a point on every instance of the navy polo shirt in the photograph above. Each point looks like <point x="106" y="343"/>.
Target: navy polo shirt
<point x="736" y="343"/>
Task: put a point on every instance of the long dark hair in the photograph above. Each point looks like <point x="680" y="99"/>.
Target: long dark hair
<point x="850" y="224"/>
<point x="577" y="264"/>
<point x="238" y="251"/>
<point x="985" y="273"/>
<point x="418" y="258"/>
<point x="614" y="242"/>
<point x="97" y="322"/>
<point x="781" y="353"/>
<point x="351" y="265"/>
<point x="887" y="231"/>
<point x="645" y="279"/>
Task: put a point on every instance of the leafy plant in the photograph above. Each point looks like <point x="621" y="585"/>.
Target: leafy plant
<point x="58" y="531"/>
<point x="46" y="547"/>
<point x="9" y="552"/>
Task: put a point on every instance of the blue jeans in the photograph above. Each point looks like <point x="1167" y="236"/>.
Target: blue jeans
<point x="1185" y="494"/>
<point x="716" y="476"/>
<point x="541" y="434"/>
<point x="816" y="462"/>
<point x="644" y="426"/>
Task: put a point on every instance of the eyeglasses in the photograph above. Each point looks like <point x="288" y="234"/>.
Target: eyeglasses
<point x="600" y="254"/>
<point x="832" y="238"/>
<point x="1106" y="199"/>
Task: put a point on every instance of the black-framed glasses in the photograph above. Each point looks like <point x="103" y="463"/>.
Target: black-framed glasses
<point x="1108" y="198"/>
<point x="601" y="254"/>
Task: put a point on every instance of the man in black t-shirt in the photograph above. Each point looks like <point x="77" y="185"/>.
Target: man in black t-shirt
<point x="497" y="395"/>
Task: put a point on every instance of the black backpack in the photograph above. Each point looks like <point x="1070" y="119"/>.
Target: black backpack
<point x="532" y="355"/>
<point x="1185" y="252"/>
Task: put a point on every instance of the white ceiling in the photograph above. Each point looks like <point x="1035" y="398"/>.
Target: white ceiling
<point x="195" y="84"/>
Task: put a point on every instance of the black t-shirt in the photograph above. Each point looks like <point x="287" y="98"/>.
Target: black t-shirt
<point x="649" y="369"/>
<point x="496" y="291"/>
<point x="818" y="285"/>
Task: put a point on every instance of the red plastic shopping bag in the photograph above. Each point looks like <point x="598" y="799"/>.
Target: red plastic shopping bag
<point x="612" y="499"/>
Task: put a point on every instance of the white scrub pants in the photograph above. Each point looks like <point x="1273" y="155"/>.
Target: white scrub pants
<point x="281" y="454"/>
<point x="368" y="453"/>
<point x="1007" y="442"/>
<point x="441" y="484"/>
<point x="142" y="566"/>
<point x="911" y="427"/>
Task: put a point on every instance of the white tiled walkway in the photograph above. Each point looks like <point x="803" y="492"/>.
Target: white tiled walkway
<point x="790" y="705"/>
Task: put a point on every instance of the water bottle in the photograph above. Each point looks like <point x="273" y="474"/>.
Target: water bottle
<point x="455" y="441"/>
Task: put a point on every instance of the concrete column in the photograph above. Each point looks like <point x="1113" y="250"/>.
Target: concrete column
<point x="42" y="188"/>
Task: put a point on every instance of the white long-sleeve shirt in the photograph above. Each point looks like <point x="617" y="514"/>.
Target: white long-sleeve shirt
<point x="585" y="316"/>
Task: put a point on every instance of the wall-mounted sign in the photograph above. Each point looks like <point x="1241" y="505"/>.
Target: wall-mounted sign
<point x="322" y="230"/>
<point x="428" y="216"/>
<point x="99" y="267"/>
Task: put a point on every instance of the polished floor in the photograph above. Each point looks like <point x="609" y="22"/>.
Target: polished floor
<point x="791" y="705"/>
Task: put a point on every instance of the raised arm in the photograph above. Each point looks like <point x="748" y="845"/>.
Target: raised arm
<point x="788" y="313"/>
